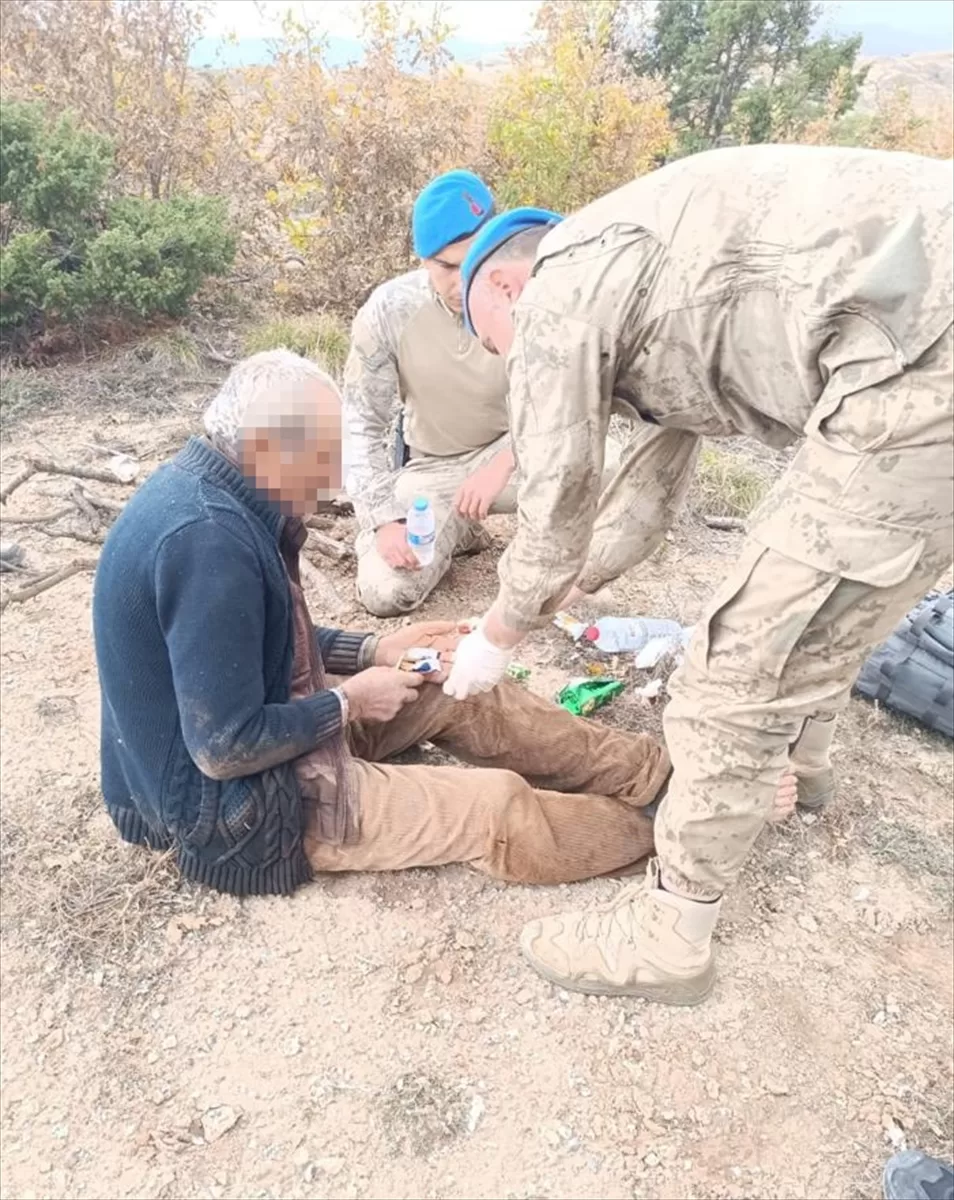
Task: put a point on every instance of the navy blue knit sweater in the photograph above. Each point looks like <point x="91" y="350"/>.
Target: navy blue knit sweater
<point x="192" y="616"/>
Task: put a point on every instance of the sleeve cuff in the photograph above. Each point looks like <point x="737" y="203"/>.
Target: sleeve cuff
<point x="344" y="655"/>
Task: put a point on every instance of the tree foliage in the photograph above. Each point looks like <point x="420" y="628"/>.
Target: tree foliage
<point x="746" y="69"/>
<point x="569" y="121"/>
<point x="69" y="252"/>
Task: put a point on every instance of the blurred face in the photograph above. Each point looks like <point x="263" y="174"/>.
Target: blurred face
<point x="293" y="470"/>
<point x="493" y="295"/>
<point x="444" y="272"/>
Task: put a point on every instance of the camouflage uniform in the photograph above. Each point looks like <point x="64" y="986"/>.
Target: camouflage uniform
<point x="780" y="292"/>
<point x="412" y="362"/>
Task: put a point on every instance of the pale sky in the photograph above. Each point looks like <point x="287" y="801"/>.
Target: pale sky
<point x="475" y="20"/>
<point x="510" y="21"/>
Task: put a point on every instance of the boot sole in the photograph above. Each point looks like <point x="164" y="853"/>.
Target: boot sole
<point x="686" y="994"/>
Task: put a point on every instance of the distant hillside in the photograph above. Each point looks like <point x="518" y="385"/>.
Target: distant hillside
<point x="928" y="79"/>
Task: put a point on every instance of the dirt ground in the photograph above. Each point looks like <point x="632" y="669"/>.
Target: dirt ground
<point x="379" y="1036"/>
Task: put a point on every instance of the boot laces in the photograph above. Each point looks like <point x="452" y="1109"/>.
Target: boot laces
<point x="600" y="920"/>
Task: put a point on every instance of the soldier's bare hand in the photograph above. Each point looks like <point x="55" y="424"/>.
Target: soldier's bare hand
<point x="476" y="495"/>
<point x="391" y="541"/>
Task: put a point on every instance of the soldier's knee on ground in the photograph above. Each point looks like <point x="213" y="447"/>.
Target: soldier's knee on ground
<point x="385" y="592"/>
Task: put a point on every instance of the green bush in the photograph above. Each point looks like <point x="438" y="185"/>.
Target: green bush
<point x="69" y="254"/>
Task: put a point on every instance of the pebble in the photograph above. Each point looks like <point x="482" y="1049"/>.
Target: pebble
<point x="712" y="1089"/>
<point x="330" y="1166"/>
<point x="651" y="1159"/>
<point x="476" y="1016"/>
<point x="465" y="940"/>
<point x="217" y="1121"/>
<point x="524" y="996"/>
<point x="414" y="974"/>
<point x="170" y="1042"/>
<point x="418" y="903"/>
<point x="290" y="1047"/>
<point x="807" y="922"/>
<point x="243" y="1012"/>
<point x="301" y="1157"/>
<point x="475" y="1113"/>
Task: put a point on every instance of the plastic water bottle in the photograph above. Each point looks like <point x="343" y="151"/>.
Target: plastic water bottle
<point x="623" y="635"/>
<point x="421" y="528"/>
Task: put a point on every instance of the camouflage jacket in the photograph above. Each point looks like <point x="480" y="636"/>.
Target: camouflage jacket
<point x="722" y="294"/>
<point x="411" y="360"/>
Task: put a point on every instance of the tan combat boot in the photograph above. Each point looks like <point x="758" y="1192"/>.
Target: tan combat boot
<point x="810" y="761"/>
<point x="648" y="943"/>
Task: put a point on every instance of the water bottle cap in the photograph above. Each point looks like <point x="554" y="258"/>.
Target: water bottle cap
<point x="420" y="504"/>
<point x="591" y="633"/>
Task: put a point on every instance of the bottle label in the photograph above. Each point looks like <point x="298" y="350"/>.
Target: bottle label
<point x="420" y="539"/>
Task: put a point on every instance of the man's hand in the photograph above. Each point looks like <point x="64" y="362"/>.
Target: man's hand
<point x="380" y="693"/>
<point x="476" y="495"/>
<point x="442" y="636"/>
<point x="391" y="541"/>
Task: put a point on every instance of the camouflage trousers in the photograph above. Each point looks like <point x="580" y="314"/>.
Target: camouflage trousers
<point x="387" y="592"/>
<point x="853" y="535"/>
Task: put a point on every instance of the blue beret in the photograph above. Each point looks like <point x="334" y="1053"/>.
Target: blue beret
<point x="491" y="237"/>
<point x="451" y="207"/>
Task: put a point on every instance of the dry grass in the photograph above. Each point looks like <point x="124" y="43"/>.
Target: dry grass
<point x="77" y="895"/>
<point x="318" y="336"/>
<point x="726" y="484"/>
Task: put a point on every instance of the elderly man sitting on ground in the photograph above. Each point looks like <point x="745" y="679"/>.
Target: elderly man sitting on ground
<point x="257" y="744"/>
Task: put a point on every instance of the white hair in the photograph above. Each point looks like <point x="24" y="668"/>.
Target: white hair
<point x="270" y="390"/>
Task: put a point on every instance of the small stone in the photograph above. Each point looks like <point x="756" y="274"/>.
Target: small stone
<point x="301" y="1157"/>
<point x="475" y="1113"/>
<point x="776" y="1088"/>
<point x="465" y="940"/>
<point x="418" y="903"/>
<point x="60" y="1132"/>
<point x="309" y="1173"/>
<point x="290" y="1047"/>
<point x="330" y="1166"/>
<point x="551" y="1137"/>
<point x="243" y="1012"/>
<point x="444" y="972"/>
<point x="651" y="1159"/>
<point x="217" y="1121"/>
<point x="414" y="974"/>
<point x="861" y="895"/>
<point x="98" y="977"/>
<point x="698" y="1060"/>
<point x="476" y="1016"/>
<point x="170" y="1042"/>
<point x="524" y="996"/>
<point x="807" y="922"/>
<point x="712" y="1089"/>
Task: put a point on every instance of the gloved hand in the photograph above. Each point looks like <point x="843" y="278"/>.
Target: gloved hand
<point x="479" y="666"/>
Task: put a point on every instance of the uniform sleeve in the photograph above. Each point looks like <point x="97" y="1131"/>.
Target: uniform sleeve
<point x="213" y="622"/>
<point x="372" y="403"/>
<point x="561" y="374"/>
<point x="640" y="502"/>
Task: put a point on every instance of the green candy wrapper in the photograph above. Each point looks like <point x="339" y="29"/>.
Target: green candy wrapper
<point x="520" y="674"/>
<point x="584" y="696"/>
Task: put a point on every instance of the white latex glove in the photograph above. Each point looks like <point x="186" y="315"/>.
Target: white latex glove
<point x="479" y="666"/>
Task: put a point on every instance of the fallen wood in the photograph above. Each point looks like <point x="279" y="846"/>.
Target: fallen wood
<point x="727" y="524"/>
<point x="213" y="355"/>
<point x="20" y="477"/>
<point x="79" y="498"/>
<point x="90" y="539"/>
<point x="101" y="502"/>
<point x="328" y="546"/>
<point x="37" y="519"/>
<point x="49" y="581"/>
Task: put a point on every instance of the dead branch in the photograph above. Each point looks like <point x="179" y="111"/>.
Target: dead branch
<point x="38" y="519"/>
<point x="79" y="497"/>
<point x="101" y="502"/>
<point x="90" y="539"/>
<point x="328" y="546"/>
<point x="46" y="467"/>
<point x="213" y="355"/>
<point x="49" y="581"/>
<point x="16" y="481"/>
<point x="728" y="524"/>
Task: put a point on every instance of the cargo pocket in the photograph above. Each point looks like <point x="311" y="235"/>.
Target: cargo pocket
<point x="799" y="550"/>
